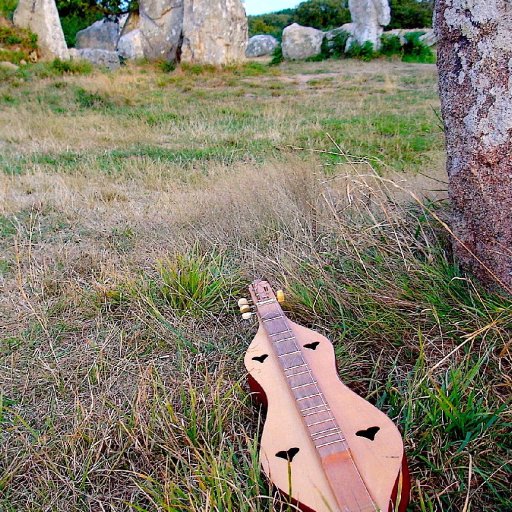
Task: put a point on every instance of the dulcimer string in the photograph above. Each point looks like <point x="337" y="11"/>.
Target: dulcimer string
<point x="313" y="407"/>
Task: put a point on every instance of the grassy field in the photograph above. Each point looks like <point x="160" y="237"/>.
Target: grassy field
<point x="136" y="207"/>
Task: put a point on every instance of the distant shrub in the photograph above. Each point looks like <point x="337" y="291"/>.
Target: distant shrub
<point x="415" y="51"/>
<point x="390" y="45"/>
<point x="322" y="14"/>
<point x="272" y="23"/>
<point x="365" y="51"/>
<point x="411" y="13"/>
<point x="338" y="44"/>
<point x="7" y="8"/>
<point x="277" y="56"/>
<point x="167" y="66"/>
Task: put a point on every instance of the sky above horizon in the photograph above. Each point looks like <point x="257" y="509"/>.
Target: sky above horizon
<point x="264" y="6"/>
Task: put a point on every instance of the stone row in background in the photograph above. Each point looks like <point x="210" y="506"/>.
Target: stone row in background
<point x="195" y="31"/>
<point x="303" y="42"/>
<point x="369" y="17"/>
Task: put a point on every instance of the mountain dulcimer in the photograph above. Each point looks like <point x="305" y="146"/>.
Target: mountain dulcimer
<point x="324" y="447"/>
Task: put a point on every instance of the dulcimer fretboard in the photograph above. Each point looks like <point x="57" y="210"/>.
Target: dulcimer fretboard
<point x="318" y="418"/>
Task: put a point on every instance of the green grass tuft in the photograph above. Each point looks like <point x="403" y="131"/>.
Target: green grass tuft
<point x="197" y="283"/>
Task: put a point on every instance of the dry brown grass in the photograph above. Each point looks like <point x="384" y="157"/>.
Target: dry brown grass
<point x="114" y="398"/>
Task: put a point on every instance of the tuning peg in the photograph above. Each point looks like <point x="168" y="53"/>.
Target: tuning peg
<point x="245" y="308"/>
<point x="280" y="296"/>
<point x="243" y="302"/>
<point x="247" y="316"/>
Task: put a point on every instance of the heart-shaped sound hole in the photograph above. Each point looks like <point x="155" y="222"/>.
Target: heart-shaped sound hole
<point x="261" y="358"/>
<point x="369" y="433"/>
<point x="287" y="454"/>
<point x="312" y="346"/>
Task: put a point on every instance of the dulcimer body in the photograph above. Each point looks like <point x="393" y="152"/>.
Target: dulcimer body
<point x="323" y="446"/>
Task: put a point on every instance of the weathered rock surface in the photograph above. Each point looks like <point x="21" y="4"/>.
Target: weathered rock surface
<point x="261" y="45"/>
<point x="132" y="22"/>
<point x="130" y="45"/>
<point x="428" y="38"/>
<point x="97" y="57"/>
<point x="301" y="42"/>
<point x="475" y="84"/>
<point x="42" y="18"/>
<point x="368" y="17"/>
<point x="214" y="32"/>
<point x="161" y="23"/>
<point x="102" y="35"/>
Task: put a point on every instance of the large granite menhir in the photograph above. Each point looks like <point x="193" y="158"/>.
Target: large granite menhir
<point x="42" y="18"/>
<point x="214" y="32"/>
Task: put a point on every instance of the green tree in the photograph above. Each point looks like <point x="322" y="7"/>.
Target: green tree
<point x="411" y="13"/>
<point x="75" y="15"/>
<point x="272" y="23"/>
<point x="322" y="14"/>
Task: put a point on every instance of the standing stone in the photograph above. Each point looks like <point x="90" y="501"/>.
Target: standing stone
<point x="160" y="26"/>
<point x="214" y="32"/>
<point x="42" y="18"/>
<point x="130" y="45"/>
<point x="301" y="42"/>
<point x="369" y="17"/>
<point x="474" y="43"/>
<point x="101" y="35"/>
<point x="261" y="45"/>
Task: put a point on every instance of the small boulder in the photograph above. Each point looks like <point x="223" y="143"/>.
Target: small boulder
<point x="261" y="45"/>
<point x="97" y="57"/>
<point x="428" y="37"/>
<point x="130" y="45"/>
<point x="301" y="42"/>
<point x="101" y="35"/>
<point x="8" y="65"/>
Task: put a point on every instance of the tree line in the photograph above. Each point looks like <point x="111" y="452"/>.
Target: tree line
<point x="328" y="14"/>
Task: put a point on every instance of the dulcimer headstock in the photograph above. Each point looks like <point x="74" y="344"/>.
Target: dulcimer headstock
<point x="262" y="295"/>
